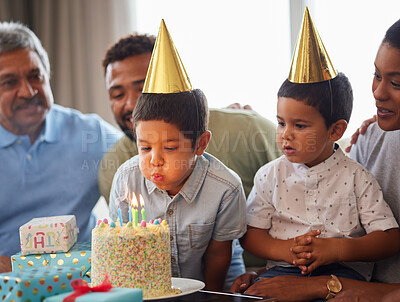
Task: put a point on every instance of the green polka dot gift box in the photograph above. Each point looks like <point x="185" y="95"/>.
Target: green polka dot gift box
<point x="79" y="257"/>
<point x="36" y="284"/>
<point x="117" y="294"/>
<point x="103" y="292"/>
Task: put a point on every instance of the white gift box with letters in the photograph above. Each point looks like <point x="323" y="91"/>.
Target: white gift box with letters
<point x="48" y="234"/>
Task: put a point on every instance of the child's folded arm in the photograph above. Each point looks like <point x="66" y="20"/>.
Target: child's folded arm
<point x="258" y="242"/>
<point x="217" y="260"/>
<point x="370" y="247"/>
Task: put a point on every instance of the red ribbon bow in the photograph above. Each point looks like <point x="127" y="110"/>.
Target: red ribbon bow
<point x="81" y="287"/>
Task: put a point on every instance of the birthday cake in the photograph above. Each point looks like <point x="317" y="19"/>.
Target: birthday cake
<point x="133" y="256"/>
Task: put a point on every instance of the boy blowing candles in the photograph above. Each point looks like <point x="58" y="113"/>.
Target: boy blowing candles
<point x="202" y="200"/>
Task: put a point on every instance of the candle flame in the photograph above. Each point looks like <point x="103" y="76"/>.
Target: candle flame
<point x="141" y="200"/>
<point x="134" y="202"/>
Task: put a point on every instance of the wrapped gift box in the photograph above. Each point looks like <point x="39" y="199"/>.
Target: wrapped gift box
<point x="79" y="257"/>
<point x="116" y="294"/>
<point x="48" y="234"/>
<point x="36" y="284"/>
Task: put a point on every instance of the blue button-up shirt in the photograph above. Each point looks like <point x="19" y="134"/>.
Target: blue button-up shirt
<point x="56" y="175"/>
<point x="210" y="205"/>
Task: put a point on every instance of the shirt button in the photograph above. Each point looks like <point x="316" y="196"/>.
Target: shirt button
<point x="171" y="238"/>
<point x="170" y="212"/>
<point x="172" y="259"/>
<point x="29" y="157"/>
<point x="19" y="141"/>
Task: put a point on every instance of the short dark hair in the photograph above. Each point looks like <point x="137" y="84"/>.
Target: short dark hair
<point x="131" y="45"/>
<point x="187" y="110"/>
<point x="332" y="98"/>
<point x="392" y="36"/>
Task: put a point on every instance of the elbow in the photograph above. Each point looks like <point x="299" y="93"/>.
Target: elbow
<point x="397" y="240"/>
<point x="242" y="241"/>
<point x="394" y="239"/>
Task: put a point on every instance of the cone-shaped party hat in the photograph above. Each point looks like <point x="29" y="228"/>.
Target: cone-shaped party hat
<point x="310" y="62"/>
<point x="166" y="73"/>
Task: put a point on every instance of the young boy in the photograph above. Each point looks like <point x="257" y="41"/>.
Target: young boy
<point x="202" y="200"/>
<point x="314" y="189"/>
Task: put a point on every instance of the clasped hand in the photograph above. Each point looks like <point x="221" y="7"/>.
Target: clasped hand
<point x="308" y="251"/>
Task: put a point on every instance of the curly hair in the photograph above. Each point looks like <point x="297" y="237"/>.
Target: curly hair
<point x="131" y="45"/>
<point x="392" y="36"/>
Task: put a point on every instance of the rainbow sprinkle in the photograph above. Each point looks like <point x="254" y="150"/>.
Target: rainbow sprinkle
<point x="135" y="257"/>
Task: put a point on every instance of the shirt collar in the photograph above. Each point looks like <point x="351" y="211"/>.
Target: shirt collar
<point x="52" y="127"/>
<point x="48" y="134"/>
<point x="6" y="138"/>
<point x="329" y="163"/>
<point x="193" y="183"/>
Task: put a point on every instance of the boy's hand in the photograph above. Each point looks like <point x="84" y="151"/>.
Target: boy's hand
<point x="243" y="282"/>
<point x="321" y="251"/>
<point x="301" y="248"/>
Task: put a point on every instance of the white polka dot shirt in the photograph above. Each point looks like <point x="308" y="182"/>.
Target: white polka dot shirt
<point x="337" y="196"/>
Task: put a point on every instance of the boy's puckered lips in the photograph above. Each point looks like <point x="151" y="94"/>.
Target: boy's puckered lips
<point x="156" y="177"/>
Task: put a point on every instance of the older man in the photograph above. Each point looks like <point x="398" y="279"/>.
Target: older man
<point x="49" y="155"/>
<point x="241" y="139"/>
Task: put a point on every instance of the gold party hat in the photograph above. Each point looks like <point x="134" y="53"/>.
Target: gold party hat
<point x="166" y="73"/>
<point x="310" y="63"/>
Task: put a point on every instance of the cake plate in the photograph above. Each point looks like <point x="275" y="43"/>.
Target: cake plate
<point x="185" y="285"/>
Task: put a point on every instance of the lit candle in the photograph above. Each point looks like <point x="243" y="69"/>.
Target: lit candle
<point x="130" y="205"/>
<point x="135" y="212"/>
<point x="142" y="205"/>
<point x="120" y="216"/>
<point x="136" y="216"/>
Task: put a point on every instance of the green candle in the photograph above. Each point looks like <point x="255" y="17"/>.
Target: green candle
<point x="142" y="205"/>
<point x="136" y="216"/>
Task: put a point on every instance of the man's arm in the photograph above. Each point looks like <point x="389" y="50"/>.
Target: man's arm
<point x="367" y="295"/>
<point x="217" y="260"/>
<point x="5" y="264"/>
<point x="295" y="288"/>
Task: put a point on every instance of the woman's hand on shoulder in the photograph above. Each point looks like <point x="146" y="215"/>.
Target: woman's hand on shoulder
<point x="364" y="126"/>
